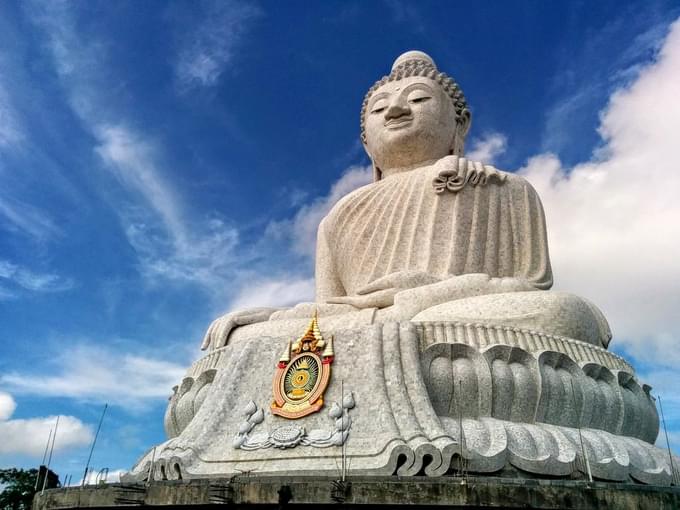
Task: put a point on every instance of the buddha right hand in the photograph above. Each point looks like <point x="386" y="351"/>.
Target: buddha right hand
<point x="380" y="293"/>
<point x="218" y="332"/>
<point x="400" y="280"/>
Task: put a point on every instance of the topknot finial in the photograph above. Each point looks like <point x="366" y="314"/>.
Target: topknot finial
<point x="413" y="55"/>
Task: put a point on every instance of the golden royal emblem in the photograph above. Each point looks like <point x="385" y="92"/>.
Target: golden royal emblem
<point x="302" y="374"/>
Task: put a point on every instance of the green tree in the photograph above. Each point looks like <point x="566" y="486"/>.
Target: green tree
<point x="18" y="488"/>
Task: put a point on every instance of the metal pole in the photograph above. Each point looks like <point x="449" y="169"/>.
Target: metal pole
<point x="94" y="441"/>
<point x="463" y="461"/>
<point x="342" y="431"/>
<point x="153" y="458"/>
<point x="42" y="463"/>
<point x="668" y="444"/>
<point x="49" y="459"/>
<point x="47" y="446"/>
<point x="580" y="437"/>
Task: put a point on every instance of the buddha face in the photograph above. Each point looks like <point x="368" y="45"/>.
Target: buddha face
<point x="409" y="121"/>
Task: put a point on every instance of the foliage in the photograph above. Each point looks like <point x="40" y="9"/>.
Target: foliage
<point x="18" y="488"/>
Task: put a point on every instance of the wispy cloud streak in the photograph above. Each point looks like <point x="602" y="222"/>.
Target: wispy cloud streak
<point x="171" y="243"/>
<point x="21" y="277"/>
<point x="11" y="133"/>
<point x="23" y="218"/>
<point x="206" y="50"/>
<point x="98" y="374"/>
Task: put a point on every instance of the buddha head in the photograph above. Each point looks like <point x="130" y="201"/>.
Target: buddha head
<point x="413" y="116"/>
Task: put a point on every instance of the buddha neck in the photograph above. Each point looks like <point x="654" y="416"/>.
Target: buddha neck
<point x="390" y="172"/>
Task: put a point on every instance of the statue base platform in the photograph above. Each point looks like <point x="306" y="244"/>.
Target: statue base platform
<point x="245" y="491"/>
<point x="428" y="398"/>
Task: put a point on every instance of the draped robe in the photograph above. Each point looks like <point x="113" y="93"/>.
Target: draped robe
<point x="493" y="223"/>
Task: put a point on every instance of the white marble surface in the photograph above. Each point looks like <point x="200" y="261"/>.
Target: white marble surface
<point x="516" y="407"/>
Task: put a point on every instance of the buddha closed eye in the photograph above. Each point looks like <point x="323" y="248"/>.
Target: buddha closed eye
<point x="409" y="96"/>
<point x="419" y="97"/>
<point x="379" y="106"/>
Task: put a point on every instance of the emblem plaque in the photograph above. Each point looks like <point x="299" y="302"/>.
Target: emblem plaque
<point x="302" y="374"/>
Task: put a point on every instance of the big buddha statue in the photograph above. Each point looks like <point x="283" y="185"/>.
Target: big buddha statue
<point x="434" y="343"/>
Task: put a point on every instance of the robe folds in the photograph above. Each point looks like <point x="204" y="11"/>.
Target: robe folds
<point x="485" y="221"/>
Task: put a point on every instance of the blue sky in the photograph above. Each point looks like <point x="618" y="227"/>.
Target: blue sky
<point x="164" y="162"/>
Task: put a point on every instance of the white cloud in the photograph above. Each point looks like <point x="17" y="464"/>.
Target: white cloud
<point x="488" y="148"/>
<point x="274" y="292"/>
<point x="32" y="281"/>
<point x="302" y="228"/>
<point x="589" y="74"/>
<point x="208" y="48"/>
<point x="614" y="221"/>
<point x="29" y="436"/>
<point x="7" y="406"/>
<point x="95" y="476"/>
<point x="97" y="374"/>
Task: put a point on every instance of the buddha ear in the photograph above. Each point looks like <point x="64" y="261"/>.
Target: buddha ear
<point x="377" y="173"/>
<point x="464" y="123"/>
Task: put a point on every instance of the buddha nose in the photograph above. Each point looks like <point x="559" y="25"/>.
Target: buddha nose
<point x="397" y="108"/>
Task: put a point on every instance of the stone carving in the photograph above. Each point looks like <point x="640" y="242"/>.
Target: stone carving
<point x="290" y="436"/>
<point x="434" y="281"/>
<point x="185" y="402"/>
<point x="302" y="374"/>
<point x="455" y="179"/>
<point x="402" y="429"/>
<point x="511" y="384"/>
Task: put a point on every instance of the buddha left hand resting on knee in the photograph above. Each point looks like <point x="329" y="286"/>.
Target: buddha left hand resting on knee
<point x="402" y="295"/>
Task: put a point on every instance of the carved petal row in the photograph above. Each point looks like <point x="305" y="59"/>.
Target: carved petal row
<point x="487" y="446"/>
<point x="509" y="383"/>
<point x="484" y="335"/>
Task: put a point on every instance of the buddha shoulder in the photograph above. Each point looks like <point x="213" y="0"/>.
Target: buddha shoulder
<point x="463" y="171"/>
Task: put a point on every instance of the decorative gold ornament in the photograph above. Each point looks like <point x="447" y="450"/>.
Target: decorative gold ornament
<point x="302" y="374"/>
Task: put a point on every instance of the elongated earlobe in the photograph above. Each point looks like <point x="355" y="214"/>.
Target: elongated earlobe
<point x="457" y="143"/>
<point x="377" y="173"/>
<point x="463" y="123"/>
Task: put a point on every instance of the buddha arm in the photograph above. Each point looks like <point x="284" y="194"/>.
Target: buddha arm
<point x="410" y="292"/>
<point x="409" y="302"/>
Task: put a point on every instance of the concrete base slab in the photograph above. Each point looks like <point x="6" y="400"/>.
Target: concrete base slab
<point x="381" y="492"/>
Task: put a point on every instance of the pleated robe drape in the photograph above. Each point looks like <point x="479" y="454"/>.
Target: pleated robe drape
<point x="495" y="226"/>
